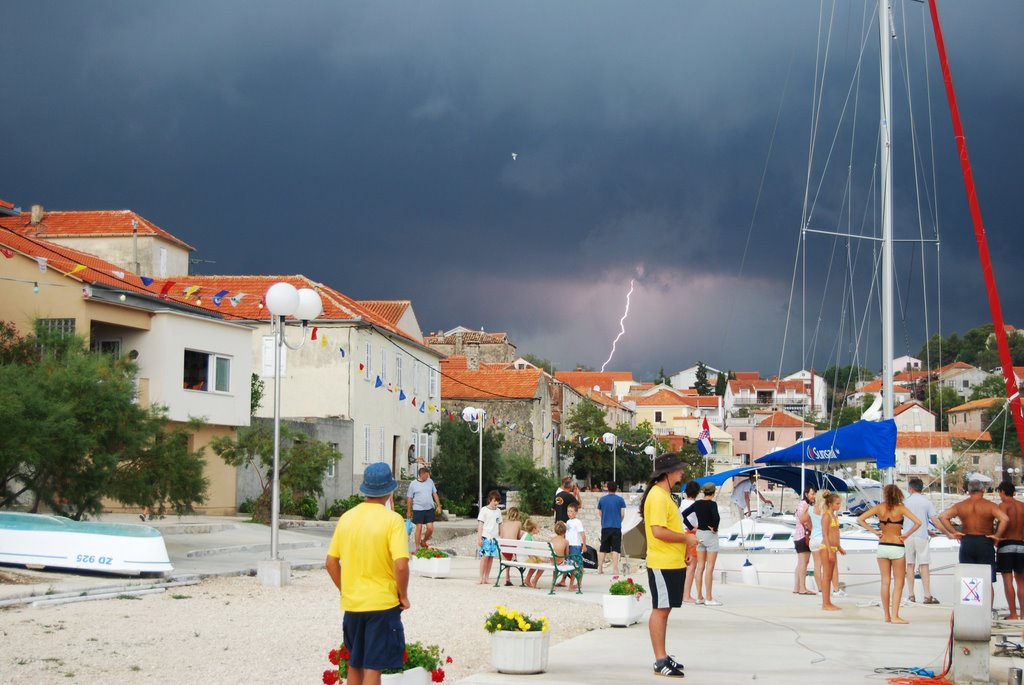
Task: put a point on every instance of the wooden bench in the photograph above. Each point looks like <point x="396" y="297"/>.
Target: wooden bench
<point x="567" y="566"/>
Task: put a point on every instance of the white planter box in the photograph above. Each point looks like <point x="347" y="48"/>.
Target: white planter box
<point x="520" y="652"/>
<point x="432" y="568"/>
<point x="414" y="676"/>
<point x="624" y="610"/>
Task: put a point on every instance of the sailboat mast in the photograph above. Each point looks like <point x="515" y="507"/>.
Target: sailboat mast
<point x="885" y="138"/>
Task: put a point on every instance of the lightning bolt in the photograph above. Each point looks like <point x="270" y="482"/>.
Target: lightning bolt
<point x="622" y="326"/>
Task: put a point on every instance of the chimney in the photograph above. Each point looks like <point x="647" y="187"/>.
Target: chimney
<point x="473" y="356"/>
<point x="37" y="214"/>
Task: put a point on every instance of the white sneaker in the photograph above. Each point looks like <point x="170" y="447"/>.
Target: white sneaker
<point x="839" y="593"/>
<point x="712" y="603"/>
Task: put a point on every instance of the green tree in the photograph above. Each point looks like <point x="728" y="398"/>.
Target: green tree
<point x="541" y="363"/>
<point x="939" y="399"/>
<point x="534" y="484"/>
<point x="256" y="389"/>
<point x="722" y="383"/>
<point x="993" y="386"/>
<point x="456" y="467"/>
<point x="662" y="378"/>
<point x="701" y="385"/>
<point x="74" y="434"/>
<point x="301" y="466"/>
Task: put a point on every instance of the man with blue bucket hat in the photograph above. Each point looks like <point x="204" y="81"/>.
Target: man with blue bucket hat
<point x="368" y="560"/>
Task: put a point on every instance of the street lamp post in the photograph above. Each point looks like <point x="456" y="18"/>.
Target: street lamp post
<point x="652" y="452"/>
<point x="610" y="439"/>
<point x="473" y="415"/>
<point x="283" y="300"/>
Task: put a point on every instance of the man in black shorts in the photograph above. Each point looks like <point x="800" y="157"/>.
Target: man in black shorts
<point x="422" y="503"/>
<point x="977" y="518"/>
<point x="1010" y="551"/>
<point x="612" y="508"/>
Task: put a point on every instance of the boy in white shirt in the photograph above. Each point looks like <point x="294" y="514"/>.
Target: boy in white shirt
<point x="489" y="521"/>
<point x="576" y="536"/>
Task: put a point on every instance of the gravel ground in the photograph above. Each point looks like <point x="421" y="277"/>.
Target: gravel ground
<point x="233" y="630"/>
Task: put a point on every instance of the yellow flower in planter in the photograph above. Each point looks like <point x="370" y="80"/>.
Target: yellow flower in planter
<point x="504" y="619"/>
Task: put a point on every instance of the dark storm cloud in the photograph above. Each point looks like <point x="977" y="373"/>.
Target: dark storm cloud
<point x="379" y="136"/>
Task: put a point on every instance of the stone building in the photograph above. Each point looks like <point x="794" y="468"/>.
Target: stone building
<point x="478" y="347"/>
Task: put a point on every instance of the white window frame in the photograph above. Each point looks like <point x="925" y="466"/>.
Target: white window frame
<point x="415" y="376"/>
<point x="368" y="371"/>
<point x="381" y="444"/>
<point x="434" y="391"/>
<point x="210" y="384"/>
<point x="398" y="369"/>
<point x="383" y="364"/>
<point x="367" y="430"/>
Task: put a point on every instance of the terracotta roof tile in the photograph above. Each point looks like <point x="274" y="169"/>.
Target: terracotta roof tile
<point x="87" y="223"/>
<point x="974" y="405"/>
<point x="97" y="271"/>
<point x="771" y="384"/>
<point x="481" y="337"/>
<point x="599" y="397"/>
<point x="465" y="384"/>
<point x="926" y="439"/>
<point x="604" y="379"/>
<point x="910" y="376"/>
<point x="781" y="419"/>
<point x="662" y="398"/>
<point x="910" y="405"/>
<point x="955" y="365"/>
<point x="389" y="310"/>
<point x="875" y="386"/>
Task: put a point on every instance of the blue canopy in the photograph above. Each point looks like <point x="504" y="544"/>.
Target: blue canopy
<point x="860" y="441"/>
<point x="788" y="476"/>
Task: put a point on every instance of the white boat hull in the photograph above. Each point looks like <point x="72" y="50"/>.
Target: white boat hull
<point x="39" y="541"/>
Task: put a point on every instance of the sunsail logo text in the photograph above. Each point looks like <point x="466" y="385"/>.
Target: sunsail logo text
<point x="818" y="454"/>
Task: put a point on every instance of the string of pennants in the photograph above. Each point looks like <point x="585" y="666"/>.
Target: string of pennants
<point x="621" y="445"/>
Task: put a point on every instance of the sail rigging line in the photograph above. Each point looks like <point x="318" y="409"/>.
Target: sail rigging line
<point x="979" y="230"/>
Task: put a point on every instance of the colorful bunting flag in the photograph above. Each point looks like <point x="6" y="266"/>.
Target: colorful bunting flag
<point x="219" y="297"/>
<point x="423" y="407"/>
<point x="235" y="299"/>
<point x="166" y="289"/>
<point x="119" y="274"/>
<point x="378" y="383"/>
<point x="41" y="261"/>
<point x="189" y="290"/>
<point x="401" y="395"/>
<point x="145" y="280"/>
<point x="342" y="351"/>
<point x="361" y="366"/>
<point x="75" y="269"/>
<point x="313" y="335"/>
<point x="6" y="253"/>
<point x="323" y="341"/>
<point x="414" y="401"/>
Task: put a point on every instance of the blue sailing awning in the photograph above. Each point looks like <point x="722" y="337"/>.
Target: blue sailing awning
<point x="860" y="441"/>
<point x="789" y="476"/>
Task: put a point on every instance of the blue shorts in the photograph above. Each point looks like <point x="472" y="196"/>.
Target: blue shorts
<point x="489" y="548"/>
<point x="575" y="549"/>
<point x="375" y="639"/>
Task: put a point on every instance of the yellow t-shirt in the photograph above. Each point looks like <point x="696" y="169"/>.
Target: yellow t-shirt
<point x="661" y="510"/>
<point x="367" y="540"/>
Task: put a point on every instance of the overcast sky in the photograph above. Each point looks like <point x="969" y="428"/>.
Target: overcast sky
<point x="369" y="145"/>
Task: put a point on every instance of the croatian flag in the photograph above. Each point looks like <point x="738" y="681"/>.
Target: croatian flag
<point x="704" y="439"/>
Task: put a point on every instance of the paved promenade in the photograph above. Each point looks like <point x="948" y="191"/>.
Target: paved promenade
<point x="761" y="635"/>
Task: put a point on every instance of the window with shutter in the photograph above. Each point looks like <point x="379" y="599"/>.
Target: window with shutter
<point x="366" y="444"/>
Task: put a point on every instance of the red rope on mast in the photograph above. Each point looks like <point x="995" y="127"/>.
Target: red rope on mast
<point x="979" y="231"/>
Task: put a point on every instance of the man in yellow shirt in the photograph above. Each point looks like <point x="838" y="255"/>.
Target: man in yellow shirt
<point x="666" y="555"/>
<point x="368" y="560"/>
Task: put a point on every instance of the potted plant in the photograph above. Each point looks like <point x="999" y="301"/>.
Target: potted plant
<point x="625" y="602"/>
<point x="519" y="643"/>
<point x="423" y="665"/>
<point x="431" y="562"/>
